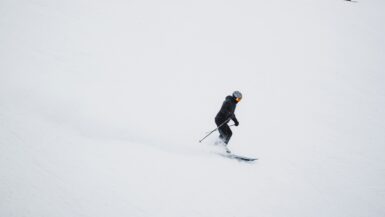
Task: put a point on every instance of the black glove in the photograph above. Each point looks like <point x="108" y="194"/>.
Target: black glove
<point x="236" y="124"/>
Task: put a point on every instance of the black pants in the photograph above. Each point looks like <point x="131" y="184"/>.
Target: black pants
<point x="225" y="132"/>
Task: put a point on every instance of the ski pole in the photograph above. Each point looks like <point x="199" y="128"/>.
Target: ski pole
<point x="229" y="126"/>
<point x="213" y="130"/>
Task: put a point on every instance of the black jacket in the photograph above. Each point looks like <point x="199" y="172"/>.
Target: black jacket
<point x="227" y="110"/>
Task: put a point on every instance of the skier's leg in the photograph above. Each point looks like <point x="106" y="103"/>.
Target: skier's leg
<point x="227" y="133"/>
<point x="222" y="135"/>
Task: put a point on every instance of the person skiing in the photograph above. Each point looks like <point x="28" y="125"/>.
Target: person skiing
<point x="225" y="114"/>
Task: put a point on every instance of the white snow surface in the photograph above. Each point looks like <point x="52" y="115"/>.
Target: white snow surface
<point x="102" y="104"/>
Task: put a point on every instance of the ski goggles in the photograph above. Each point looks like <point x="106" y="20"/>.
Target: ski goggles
<point x="238" y="99"/>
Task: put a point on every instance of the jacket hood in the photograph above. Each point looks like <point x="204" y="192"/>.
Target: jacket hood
<point x="231" y="98"/>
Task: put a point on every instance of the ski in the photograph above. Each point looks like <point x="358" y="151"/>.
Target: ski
<point x="238" y="157"/>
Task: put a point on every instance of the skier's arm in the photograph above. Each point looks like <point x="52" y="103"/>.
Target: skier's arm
<point x="235" y="120"/>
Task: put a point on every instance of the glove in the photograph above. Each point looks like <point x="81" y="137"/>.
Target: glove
<point x="236" y="124"/>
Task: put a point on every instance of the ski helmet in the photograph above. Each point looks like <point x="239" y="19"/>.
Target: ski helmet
<point x="237" y="94"/>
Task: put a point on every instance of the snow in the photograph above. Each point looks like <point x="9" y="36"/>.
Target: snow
<point x="102" y="105"/>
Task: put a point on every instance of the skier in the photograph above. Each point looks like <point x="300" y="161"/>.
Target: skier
<point x="225" y="114"/>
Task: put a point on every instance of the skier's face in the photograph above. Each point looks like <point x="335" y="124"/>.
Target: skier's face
<point x="238" y="99"/>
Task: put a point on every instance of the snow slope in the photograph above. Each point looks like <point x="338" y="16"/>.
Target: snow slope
<point x="102" y="104"/>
